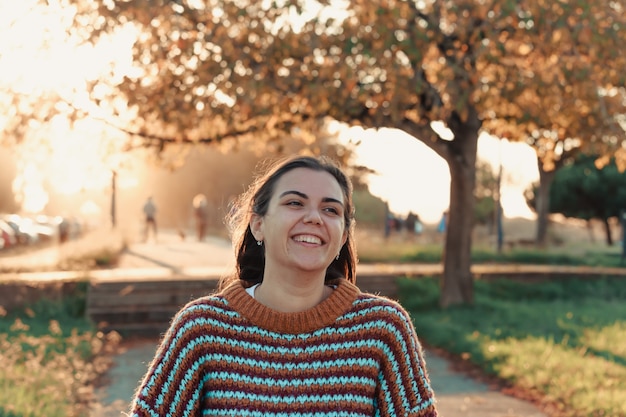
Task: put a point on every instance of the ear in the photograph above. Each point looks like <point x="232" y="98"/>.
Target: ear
<point x="344" y="238"/>
<point x="256" y="226"/>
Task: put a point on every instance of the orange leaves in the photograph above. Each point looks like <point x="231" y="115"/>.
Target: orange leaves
<point x="585" y="35"/>
<point x="350" y="83"/>
<point x="620" y="159"/>
<point x="523" y="65"/>
<point x="524" y="49"/>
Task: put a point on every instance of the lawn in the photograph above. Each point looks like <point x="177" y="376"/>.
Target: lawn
<point x="569" y="245"/>
<point x="561" y="341"/>
<point x="51" y="357"/>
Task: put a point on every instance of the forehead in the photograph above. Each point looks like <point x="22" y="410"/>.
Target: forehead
<point x="310" y="182"/>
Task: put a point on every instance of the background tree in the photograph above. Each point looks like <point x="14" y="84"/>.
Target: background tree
<point x="582" y="190"/>
<point x="486" y="193"/>
<point x="569" y="95"/>
<point x="209" y="70"/>
<point x="574" y="130"/>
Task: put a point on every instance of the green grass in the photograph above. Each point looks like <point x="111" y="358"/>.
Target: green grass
<point x="563" y="339"/>
<point x="406" y="252"/>
<point x="599" y="256"/>
<point x="51" y="356"/>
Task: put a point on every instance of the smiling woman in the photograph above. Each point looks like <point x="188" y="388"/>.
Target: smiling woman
<point x="289" y="333"/>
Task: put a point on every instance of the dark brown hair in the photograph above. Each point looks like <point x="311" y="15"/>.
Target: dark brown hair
<point x="250" y="257"/>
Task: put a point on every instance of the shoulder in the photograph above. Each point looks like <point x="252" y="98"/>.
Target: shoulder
<point x="204" y="310"/>
<point x="380" y="302"/>
<point x="381" y="309"/>
<point x="385" y="320"/>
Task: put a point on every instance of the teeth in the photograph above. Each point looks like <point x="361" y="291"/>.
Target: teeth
<point x="308" y="239"/>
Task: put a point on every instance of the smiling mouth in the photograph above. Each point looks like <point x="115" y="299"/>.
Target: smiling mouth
<point x="308" y="239"/>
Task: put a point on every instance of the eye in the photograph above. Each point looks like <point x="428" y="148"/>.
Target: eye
<point x="295" y="203"/>
<point x="333" y="210"/>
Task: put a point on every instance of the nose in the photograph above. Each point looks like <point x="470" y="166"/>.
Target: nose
<point x="313" y="216"/>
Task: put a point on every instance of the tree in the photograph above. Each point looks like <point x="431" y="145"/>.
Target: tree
<point x="584" y="191"/>
<point x="569" y="98"/>
<point x="583" y="127"/>
<point x="216" y="69"/>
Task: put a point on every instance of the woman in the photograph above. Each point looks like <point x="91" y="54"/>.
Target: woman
<point x="289" y="334"/>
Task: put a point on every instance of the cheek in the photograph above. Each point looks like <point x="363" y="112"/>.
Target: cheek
<point x="340" y="230"/>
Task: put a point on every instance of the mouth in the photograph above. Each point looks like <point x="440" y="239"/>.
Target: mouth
<point x="312" y="239"/>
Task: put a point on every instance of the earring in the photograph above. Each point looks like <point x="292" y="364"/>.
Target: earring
<point x="259" y="242"/>
<point x="337" y="257"/>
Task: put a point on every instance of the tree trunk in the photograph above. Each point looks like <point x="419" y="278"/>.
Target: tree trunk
<point x="542" y="204"/>
<point x="607" y="230"/>
<point x="457" y="285"/>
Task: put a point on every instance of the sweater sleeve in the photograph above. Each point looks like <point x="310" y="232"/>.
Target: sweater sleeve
<point x="173" y="383"/>
<point x="404" y="388"/>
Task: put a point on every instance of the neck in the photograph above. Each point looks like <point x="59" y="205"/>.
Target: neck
<point x="291" y="296"/>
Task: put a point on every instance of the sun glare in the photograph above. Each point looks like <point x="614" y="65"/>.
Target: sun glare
<point x="29" y="189"/>
<point x="38" y="58"/>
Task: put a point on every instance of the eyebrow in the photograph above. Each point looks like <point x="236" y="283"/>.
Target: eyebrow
<point x="303" y="195"/>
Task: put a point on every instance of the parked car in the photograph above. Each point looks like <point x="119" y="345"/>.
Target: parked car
<point x="24" y="230"/>
<point x="47" y="227"/>
<point x="9" y="238"/>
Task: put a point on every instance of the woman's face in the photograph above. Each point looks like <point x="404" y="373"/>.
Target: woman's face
<point x="304" y="226"/>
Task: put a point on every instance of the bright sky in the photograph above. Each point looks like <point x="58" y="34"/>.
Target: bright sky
<point x="412" y="177"/>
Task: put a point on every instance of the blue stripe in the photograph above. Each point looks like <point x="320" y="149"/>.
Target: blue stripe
<point x="251" y="413"/>
<point x="293" y="383"/>
<point x="302" y="400"/>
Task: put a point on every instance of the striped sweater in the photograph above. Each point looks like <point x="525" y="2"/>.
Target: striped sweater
<point x="352" y="355"/>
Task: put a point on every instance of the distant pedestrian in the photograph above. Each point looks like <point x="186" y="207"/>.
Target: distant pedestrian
<point x="64" y="230"/>
<point x="419" y="226"/>
<point x="149" y="211"/>
<point x="443" y="223"/>
<point x="388" y="221"/>
<point x="397" y="223"/>
<point x="200" y="214"/>
<point x="413" y="224"/>
<point x="409" y="222"/>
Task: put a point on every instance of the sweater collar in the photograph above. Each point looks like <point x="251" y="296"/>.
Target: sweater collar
<point x="322" y="315"/>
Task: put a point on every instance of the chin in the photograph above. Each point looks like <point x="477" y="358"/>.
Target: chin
<point x="318" y="266"/>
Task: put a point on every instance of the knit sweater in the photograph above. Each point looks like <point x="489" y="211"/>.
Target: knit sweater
<point x="352" y="355"/>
